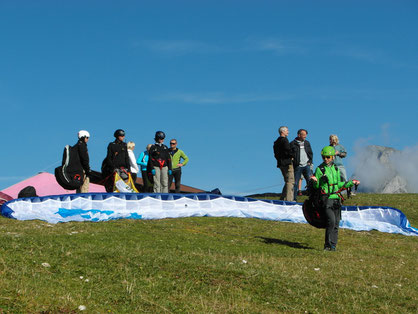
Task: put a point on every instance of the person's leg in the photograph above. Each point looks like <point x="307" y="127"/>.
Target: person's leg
<point x="145" y="181"/>
<point x="284" y="173"/>
<point x="330" y="223"/>
<point x="289" y="179"/>
<point x="300" y="186"/>
<point x="157" y="180"/>
<point x="307" y="173"/>
<point x="177" y="179"/>
<point x="85" y="187"/>
<point x="170" y="181"/>
<point x="337" y="213"/>
<point x="164" y="180"/>
<point x="109" y="183"/>
<point x="298" y="172"/>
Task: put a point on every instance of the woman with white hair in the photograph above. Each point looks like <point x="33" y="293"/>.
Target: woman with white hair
<point x="340" y="153"/>
<point x="132" y="161"/>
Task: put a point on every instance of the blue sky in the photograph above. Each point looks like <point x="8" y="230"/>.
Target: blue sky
<point x="220" y="76"/>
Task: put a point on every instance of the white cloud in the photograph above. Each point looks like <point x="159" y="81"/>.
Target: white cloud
<point x="359" y="53"/>
<point x="211" y="98"/>
<point x="279" y="46"/>
<point x="180" y="47"/>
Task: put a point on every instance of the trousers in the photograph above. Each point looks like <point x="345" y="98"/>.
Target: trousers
<point x="333" y="216"/>
<point x="85" y="187"/>
<point x="161" y="180"/>
<point x="176" y="175"/>
<point x="289" y="182"/>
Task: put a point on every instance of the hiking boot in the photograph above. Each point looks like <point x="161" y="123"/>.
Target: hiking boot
<point x="328" y="248"/>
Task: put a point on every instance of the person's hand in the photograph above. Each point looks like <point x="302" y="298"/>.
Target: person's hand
<point x="170" y="172"/>
<point x="153" y="172"/>
<point x="356" y="182"/>
<point x="337" y="152"/>
<point x="180" y="165"/>
<point x="313" y="178"/>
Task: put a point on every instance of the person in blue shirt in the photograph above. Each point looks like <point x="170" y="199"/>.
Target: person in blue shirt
<point x="142" y="162"/>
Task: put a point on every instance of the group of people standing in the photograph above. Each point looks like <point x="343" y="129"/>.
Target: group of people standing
<point x="296" y="159"/>
<point x="158" y="164"/>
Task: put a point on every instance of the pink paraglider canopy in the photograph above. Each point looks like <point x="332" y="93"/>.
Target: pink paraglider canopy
<point x="45" y="184"/>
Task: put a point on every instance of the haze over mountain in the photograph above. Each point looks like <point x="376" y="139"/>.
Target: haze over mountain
<point x="387" y="170"/>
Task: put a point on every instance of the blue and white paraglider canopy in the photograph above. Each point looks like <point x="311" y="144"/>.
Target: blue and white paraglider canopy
<point x="107" y="206"/>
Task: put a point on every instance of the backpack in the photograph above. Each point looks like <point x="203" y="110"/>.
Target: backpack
<point x="70" y="175"/>
<point x="313" y="207"/>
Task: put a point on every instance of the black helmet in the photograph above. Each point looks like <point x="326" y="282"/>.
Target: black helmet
<point x="119" y="132"/>
<point x="159" y="135"/>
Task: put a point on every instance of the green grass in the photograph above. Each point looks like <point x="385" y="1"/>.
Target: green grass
<point x="214" y="265"/>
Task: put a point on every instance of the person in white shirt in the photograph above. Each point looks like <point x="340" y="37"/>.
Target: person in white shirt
<point x="132" y="161"/>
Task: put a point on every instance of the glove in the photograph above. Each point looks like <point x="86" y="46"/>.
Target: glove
<point x="170" y="172"/>
<point x="153" y="172"/>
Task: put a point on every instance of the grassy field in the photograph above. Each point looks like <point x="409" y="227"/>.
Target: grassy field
<point x="211" y="265"/>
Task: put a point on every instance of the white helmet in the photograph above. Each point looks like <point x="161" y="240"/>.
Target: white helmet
<point x="83" y="133"/>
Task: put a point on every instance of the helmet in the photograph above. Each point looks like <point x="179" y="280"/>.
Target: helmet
<point x="83" y="133"/>
<point x="328" y="151"/>
<point x="119" y="132"/>
<point x="159" y="135"/>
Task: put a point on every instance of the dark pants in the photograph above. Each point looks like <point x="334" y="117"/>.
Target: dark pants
<point x="133" y="176"/>
<point x="176" y="174"/>
<point x="147" y="183"/>
<point x="333" y="217"/>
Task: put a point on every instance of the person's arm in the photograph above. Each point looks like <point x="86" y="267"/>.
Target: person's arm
<point x="169" y="163"/>
<point x="141" y="160"/>
<point x="109" y="158"/>
<point x="84" y="158"/>
<point x="316" y="178"/>
<point x="342" y="152"/>
<point x="127" y="159"/>
<point x="309" y="152"/>
<point x="185" y="159"/>
<point x="286" y="147"/>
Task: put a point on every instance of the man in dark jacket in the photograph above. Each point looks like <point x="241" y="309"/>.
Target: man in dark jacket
<point x="284" y="157"/>
<point x="117" y="157"/>
<point x="83" y="154"/>
<point x="302" y="158"/>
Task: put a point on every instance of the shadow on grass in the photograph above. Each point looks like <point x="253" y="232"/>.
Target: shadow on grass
<point x="295" y="245"/>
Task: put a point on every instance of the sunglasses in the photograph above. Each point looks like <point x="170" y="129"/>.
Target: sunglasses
<point x="327" y="157"/>
<point x="173" y="143"/>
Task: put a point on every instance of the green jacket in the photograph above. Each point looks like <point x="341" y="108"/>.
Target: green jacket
<point x="334" y="180"/>
<point x="176" y="157"/>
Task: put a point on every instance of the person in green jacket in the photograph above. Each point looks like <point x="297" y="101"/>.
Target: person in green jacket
<point x="178" y="160"/>
<point x="330" y="184"/>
